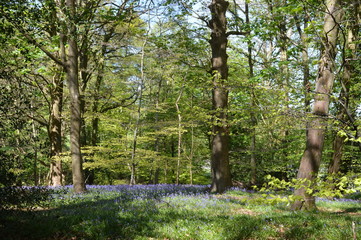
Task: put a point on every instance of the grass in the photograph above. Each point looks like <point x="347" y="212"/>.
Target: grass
<point x="174" y="212"/>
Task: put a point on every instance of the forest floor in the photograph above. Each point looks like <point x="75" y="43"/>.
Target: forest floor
<point x="174" y="212"/>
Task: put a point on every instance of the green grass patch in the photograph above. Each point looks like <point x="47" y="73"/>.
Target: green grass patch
<point x="160" y="212"/>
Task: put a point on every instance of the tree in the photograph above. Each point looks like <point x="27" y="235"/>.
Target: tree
<point x="311" y="158"/>
<point x="346" y="112"/>
<point x="221" y="175"/>
<point x="69" y="61"/>
<point x="253" y="161"/>
<point x="72" y="73"/>
<point x="47" y="78"/>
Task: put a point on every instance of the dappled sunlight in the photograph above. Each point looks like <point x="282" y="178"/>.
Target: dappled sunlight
<point x="169" y="211"/>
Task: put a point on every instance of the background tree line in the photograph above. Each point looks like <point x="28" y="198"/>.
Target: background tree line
<point x="108" y="92"/>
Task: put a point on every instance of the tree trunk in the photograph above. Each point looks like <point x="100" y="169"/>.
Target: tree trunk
<point x="95" y="108"/>
<point x="305" y="63"/>
<point x="344" y="99"/>
<point x="283" y="41"/>
<point x="56" y="172"/>
<point x="75" y="111"/>
<point x="34" y="136"/>
<point x="179" y="135"/>
<point x="337" y="148"/>
<point x="311" y="158"/>
<point x="84" y="76"/>
<point x="253" y="161"/>
<point x="221" y="175"/>
<point x="191" y="155"/>
<point x="56" y="101"/>
<point x="136" y="129"/>
<point x="155" y="165"/>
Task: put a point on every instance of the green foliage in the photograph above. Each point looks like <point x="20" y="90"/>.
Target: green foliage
<point x="279" y="191"/>
<point x="25" y="197"/>
<point x="268" y="104"/>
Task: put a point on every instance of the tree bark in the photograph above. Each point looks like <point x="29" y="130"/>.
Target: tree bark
<point x="221" y="175"/>
<point x="156" y="143"/>
<point x="253" y="160"/>
<point x="75" y="110"/>
<point x="56" y="172"/>
<point x="305" y="63"/>
<point x="56" y="108"/>
<point x="95" y="108"/>
<point x="337" y="147"/>
<point x="136" y="129"/>
<point x="191" y="155"/>
<point x="311" y="158"/>
<point x="179" y="135"/>
<point x="84" y="78"/>
<point x="33" y="137"/>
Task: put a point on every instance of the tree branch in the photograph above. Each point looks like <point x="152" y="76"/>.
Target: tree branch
<point x="42" y="122"/>
<point x="237" y="33"/>
<point x="118" y="104"/>
<point x="38" y="45"/>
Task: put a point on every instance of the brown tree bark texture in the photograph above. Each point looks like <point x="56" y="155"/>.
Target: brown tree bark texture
<point x="221" y="175"/>
<point x="311" y="158"/>
<point x="55" y="130"/>
<point x="75" y="119"/>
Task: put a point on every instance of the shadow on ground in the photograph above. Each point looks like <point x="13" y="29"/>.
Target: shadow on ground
<point x="148" y="219"/>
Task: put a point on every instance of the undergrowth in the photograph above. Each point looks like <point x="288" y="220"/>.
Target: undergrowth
<point x="169" y="212"/>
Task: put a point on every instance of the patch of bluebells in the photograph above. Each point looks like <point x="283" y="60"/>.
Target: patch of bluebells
<point x="345" y="200"/>
<point x="126" y="193"/>
<point x="241" y="189"/>
<point x="138" y="204"/>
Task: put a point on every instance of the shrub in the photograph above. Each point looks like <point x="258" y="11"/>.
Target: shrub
<point x="24" y="197"/>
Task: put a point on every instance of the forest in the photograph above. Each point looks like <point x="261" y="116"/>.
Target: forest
<point x="247" y="93"/>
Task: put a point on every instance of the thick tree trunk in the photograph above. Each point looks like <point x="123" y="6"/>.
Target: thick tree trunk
<point x="311" y="158"/>
<point x="221" y="175"/>
<point x="56" y="96"/>
<point x="75" y="111"/>
<point x="56" y="172"/>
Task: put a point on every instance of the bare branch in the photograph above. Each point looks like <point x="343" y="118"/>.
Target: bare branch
<point x="240" y="33"/>
<point x="121" y="103"/>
